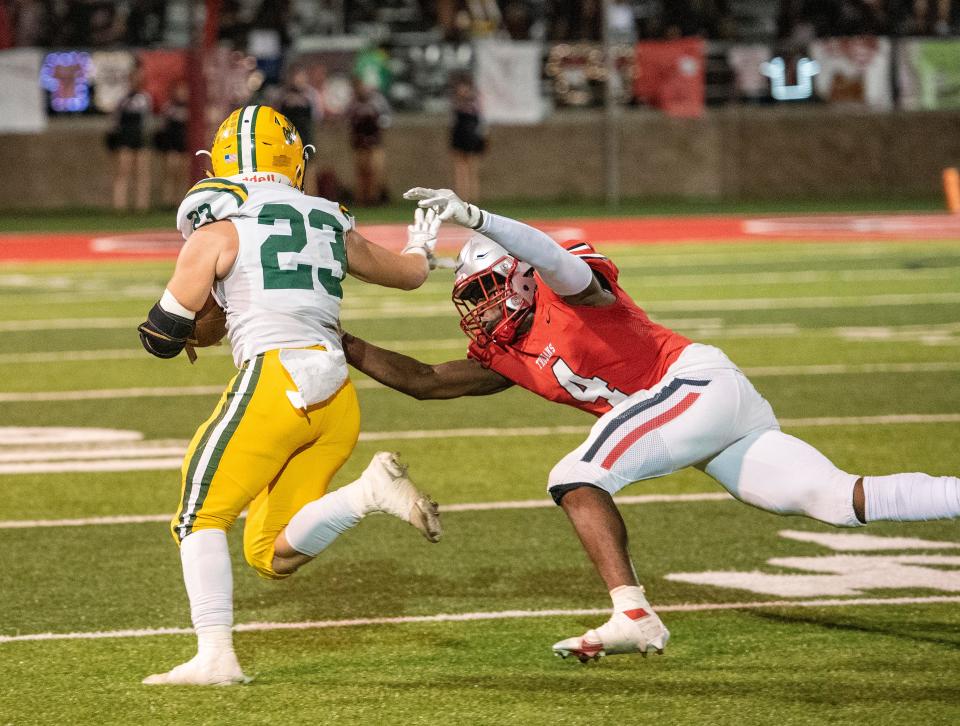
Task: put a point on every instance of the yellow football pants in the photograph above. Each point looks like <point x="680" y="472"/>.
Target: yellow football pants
<point x="257" y="450"/>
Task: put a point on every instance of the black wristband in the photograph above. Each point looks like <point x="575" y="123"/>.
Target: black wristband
<point x="479" y="217"/>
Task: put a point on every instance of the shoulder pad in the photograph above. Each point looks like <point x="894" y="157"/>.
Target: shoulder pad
<point x="598" y="262"/>
<point x="208" y="201"/>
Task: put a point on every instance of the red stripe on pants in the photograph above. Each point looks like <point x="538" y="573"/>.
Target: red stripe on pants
<point x="656" y="422"/>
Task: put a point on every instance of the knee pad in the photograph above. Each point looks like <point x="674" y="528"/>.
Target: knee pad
<point x="571" y="473"/>
<point x="559" y="491"/>
<point x="262" y="562"/>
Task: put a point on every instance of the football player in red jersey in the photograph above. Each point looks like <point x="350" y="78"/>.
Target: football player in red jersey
<point x="553" y="319"/>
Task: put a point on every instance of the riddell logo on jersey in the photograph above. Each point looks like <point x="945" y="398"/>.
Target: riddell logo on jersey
<point x="259" y="178"/>
<point x="545" y="356"/>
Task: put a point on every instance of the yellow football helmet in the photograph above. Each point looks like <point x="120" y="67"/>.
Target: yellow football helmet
<point x="258" y="141"/>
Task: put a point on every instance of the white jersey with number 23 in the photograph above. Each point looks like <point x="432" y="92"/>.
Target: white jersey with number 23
<point x="284" y="290"/>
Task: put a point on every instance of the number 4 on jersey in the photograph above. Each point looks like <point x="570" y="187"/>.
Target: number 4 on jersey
<point x="585" y="389"/>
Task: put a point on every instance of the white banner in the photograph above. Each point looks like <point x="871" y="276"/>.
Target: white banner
<point x="111" y="76"/>
<point x="22" y="103"/>
<point x="508" y="81"/>
<point x="747" y="60"/>
<point x="854" y="70"/>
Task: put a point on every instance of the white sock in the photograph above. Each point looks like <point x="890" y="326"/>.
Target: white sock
<point x="911" y="497"/>
<point x="628" y="597"/>
<point x="320" y="522"/>
<point x="205" y="558"/>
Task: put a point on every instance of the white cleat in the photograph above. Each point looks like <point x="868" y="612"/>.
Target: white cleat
<point x="633" y="631"/>
<point x="389" y="490"/>
<point x="218" y="669"/>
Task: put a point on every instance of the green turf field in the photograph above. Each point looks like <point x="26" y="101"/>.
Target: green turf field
<point x="855" y="344"/>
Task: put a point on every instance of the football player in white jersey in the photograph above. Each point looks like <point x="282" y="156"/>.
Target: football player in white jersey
<point x="274" y="259"/>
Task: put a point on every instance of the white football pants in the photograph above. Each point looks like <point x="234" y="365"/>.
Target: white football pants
<point x="706" y="413"/>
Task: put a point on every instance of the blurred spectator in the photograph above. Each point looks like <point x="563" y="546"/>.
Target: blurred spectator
<point x="516" y="19"/>
<point x="300" y="102"/>
<point x="145" y="22"/>
<point x="7" y="37"/>
<point x="233" y="26"/>
<point x="29" y="20"/>
<point x="577" y="19"/>
<point x="269" y="37"/>
<point x="807" y="18"/>
<point x="713" y="18"/>
<point x="859" y="17"/>
<point x="141" y="23"/>
<point x="621" y="23"/>
<point x="482" y="17"/>
<point x="447" y="18"/>
<point x="683" y="18"/>
<point x="274" y="15"/>
<point x="931" y="16"/>
<point x="369" y="115"/>
<point x="171" y="141"/>
<point x="128" y="140"/>
<point x="467" y="139"/>
<point x="372" y="66"/>
<point x="93" y="22"/>
<point x="648" y="17"/>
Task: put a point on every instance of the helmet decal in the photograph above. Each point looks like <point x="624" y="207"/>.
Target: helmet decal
<point x="289" y="132"/>
<point x="258" y="141"/>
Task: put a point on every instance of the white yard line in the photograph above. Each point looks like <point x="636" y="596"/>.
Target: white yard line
<point x="485" y="432"/>
<point x="722" y="280"/>
<point x="484" y="616"/>
<point x="401" y="309"/>
<point x="84" y="521"/>
<point x="360" y="296"/>
<point x="803" y="303"/>
<point x="144" y="449"/>
<point x="445" y="508"/>
<point x="907" y="418"/>
<point x="60" y="290"/>
<point x="69" y="356"/>
<point x="828" y="369"/>
<point x="37" y="462"/>
<point x="116" y="393"/>
<point x="366" y="383"/>
<point x="16" y="326"/>
<point x="110" y="393"/>
<point x="93" y="466"/>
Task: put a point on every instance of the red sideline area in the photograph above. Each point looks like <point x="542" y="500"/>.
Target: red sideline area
<point x="38" y="247"/>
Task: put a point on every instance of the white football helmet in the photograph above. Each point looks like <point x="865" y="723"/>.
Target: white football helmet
<point x="493" y="291"/>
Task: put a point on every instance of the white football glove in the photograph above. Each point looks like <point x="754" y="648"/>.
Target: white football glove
<point x="447" y="205"/>
<point x="422" y="235"/>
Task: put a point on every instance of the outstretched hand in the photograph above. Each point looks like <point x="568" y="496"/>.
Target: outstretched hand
<point x="422" y="235"/>
<point x="447" y="205"/>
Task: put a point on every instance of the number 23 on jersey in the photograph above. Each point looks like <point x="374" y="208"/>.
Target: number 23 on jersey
<point x="321" y="226"/>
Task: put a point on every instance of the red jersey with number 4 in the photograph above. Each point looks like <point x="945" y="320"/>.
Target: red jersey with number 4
<point x="588" y="357"/>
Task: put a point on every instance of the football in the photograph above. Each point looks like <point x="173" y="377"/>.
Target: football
<point x="211" y="325"/>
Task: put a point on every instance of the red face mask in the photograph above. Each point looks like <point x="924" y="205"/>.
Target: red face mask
<point x="490" y="309"/>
